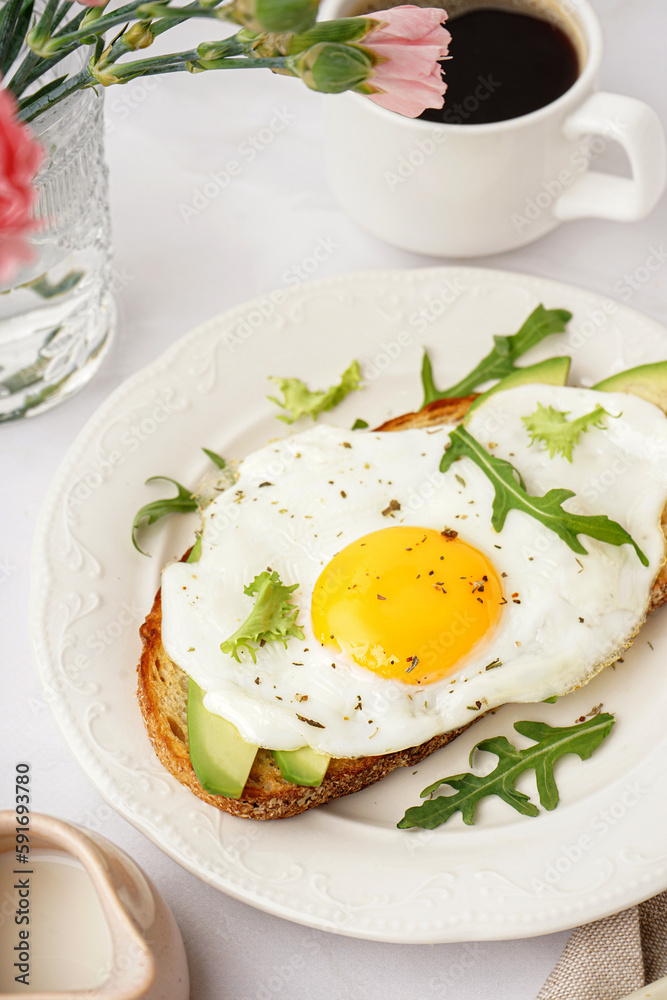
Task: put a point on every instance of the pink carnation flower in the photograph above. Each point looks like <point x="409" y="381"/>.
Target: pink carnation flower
<point x="20" y="157"/>
<point x="411" y="41"/>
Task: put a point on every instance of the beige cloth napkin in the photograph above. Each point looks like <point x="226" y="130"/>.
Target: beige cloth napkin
<point x="610" y="958"/>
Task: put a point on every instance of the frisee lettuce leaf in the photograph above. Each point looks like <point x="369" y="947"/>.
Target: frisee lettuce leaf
<point x="301" y="401"/>
<point x="272" y="619"/>
<point x="552" y="742"/>
<point x="552" y="427"/>
<point x="511" y="494"/>
<point x="500" y="360"/>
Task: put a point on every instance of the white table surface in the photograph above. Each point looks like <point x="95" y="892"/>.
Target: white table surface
<point x="164" y="142"/>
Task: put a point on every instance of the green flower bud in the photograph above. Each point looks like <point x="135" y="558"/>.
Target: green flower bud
<point x="104" y="76"/>
<point x="331" y="67"/>
<point x="265" y="43"/>
<point x="139" y="36"/>
<point x="92" y="14"/>
<point x="348" y="29"/>
<point x="273" y="15"/>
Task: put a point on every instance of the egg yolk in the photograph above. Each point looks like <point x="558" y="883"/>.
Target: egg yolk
<point x="406" y="602"/>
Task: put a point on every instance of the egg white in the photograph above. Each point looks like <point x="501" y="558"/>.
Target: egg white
<point x="299" y="501"/>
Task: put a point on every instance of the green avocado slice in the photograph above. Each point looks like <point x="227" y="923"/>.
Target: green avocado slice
<point x="302" y="767"/>
<point x="219" y="755"/>
<point x="647" y="381"/>
<point x="222" y="759"/>
<point x="553" y="371"/>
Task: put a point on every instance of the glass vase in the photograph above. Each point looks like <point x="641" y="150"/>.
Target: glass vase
<point x="57" y="317"/>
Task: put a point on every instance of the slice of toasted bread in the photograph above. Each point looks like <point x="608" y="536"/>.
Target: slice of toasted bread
<point x="163" y="687"/>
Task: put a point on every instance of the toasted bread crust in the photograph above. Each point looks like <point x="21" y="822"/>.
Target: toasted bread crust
<point x="440" y="411"/>
<point x="267" y="795"/>
<point x="162" y="694"/>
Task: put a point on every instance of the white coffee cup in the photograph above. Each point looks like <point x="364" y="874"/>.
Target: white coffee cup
<point x="468" y="190"/>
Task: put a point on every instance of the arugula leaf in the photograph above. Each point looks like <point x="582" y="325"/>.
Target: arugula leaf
<point x="510" y="493"/>
<point x="552" y="742"/>
<point x="500" y="360"/>
<point x="272" y="618"/>
<point x="215" y="458"/>
<point x="303" y="402"/>
<point x="185" y="501"/>
<point x="182" y="503"/>
<point x="560" y="434"/>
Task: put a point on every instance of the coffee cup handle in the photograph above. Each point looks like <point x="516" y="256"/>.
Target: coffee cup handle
<point x="637" y="128"/>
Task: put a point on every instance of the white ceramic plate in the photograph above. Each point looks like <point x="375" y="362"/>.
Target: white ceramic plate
<point x="344" y="867"/>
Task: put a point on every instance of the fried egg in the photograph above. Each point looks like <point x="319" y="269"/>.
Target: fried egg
<point x="417" y="615"/>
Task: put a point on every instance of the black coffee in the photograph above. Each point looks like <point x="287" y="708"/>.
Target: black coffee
<point x="503" y="65"/>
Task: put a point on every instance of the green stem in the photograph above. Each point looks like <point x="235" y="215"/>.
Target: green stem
<point x="32" y="108"/>
<point x="164" y="23"/>
<point x="119" y="48"/>
<point x="176" y="62"/>
<point x="116" y="17"/>
<point x="268" y="62"/>
<point x="172" y="63"/>
<point x="150" y="67"/>
<point x="33" y="66"/>
<point x="178" y="14"/>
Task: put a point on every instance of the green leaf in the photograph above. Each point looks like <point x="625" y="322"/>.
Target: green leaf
<point x="359" y="424"/>
<point x="551" y="743"/>
<point x="301" y="401"/>
<point x="182" y="503"/>
<point x="215" y="458"/>
<point x="511" y="494"/>
<point x="42" y="286"/>
<point x="8" y="21"/>
<point x="25" y="377"/>
<point x="500" y="360"/>
<point x="195" y="551"/>
<point x="272" y="618"/>
<point x="18" y="36"/>
<point x="560" y="434"/>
